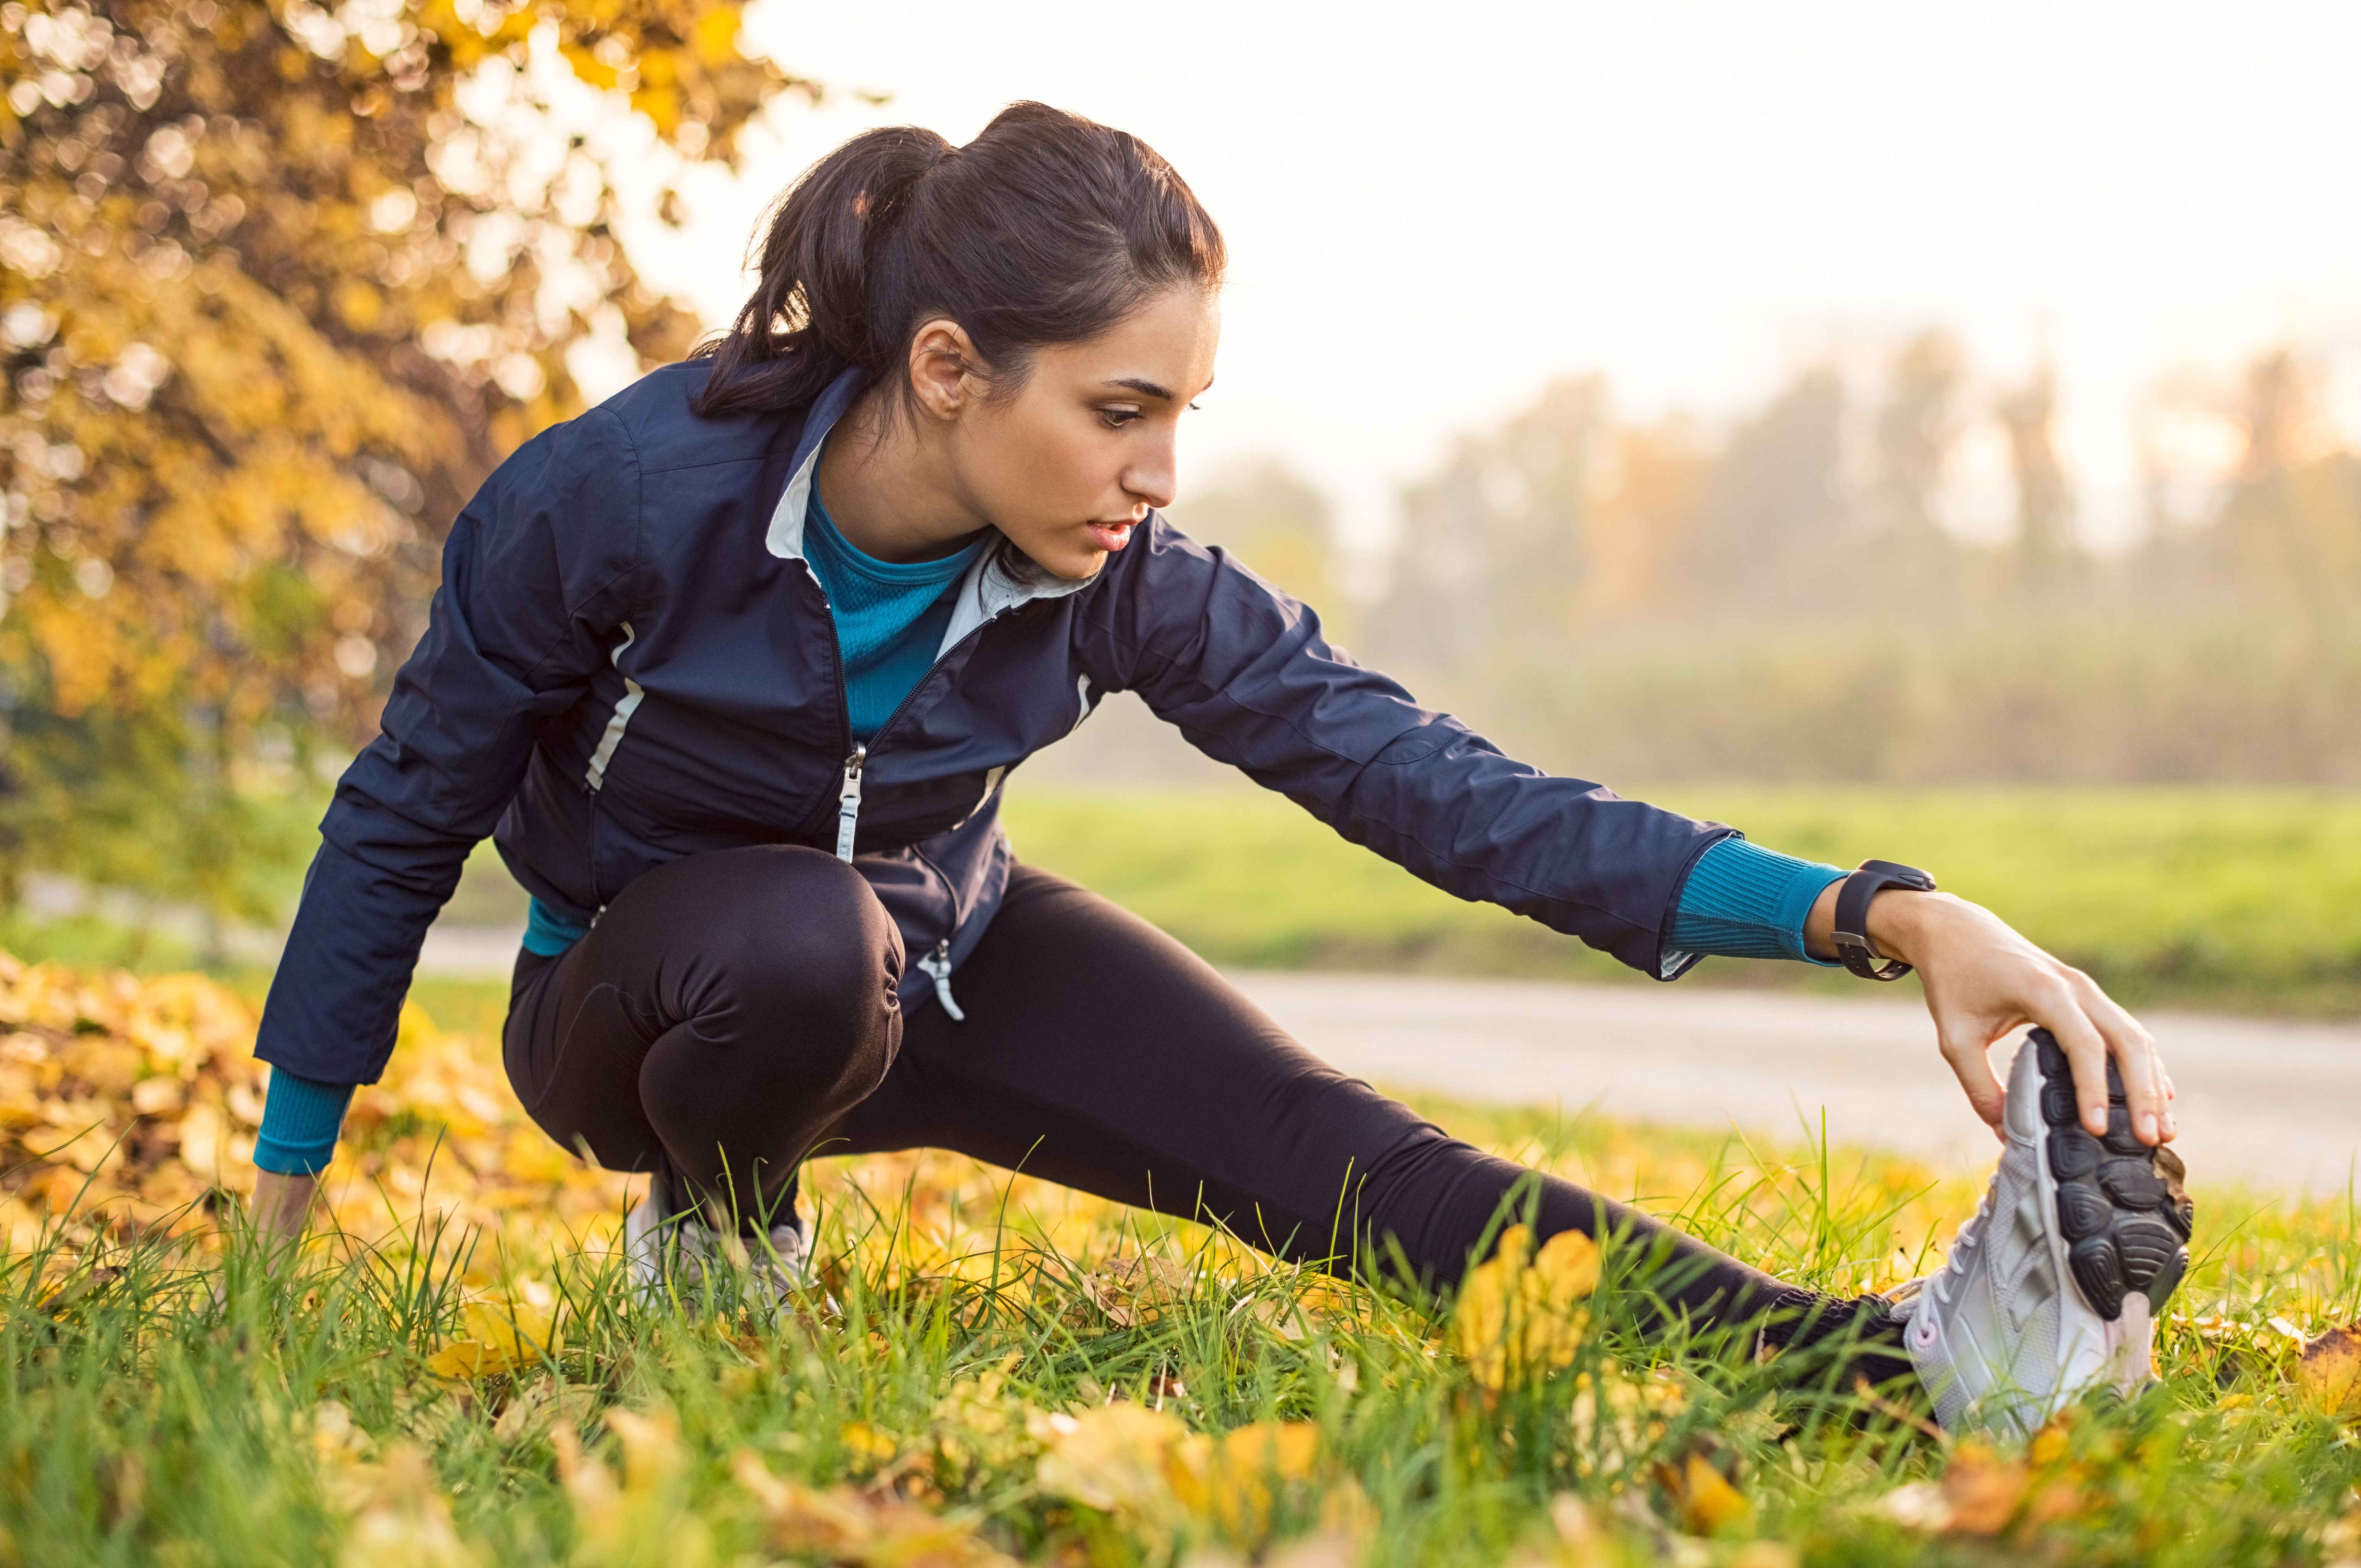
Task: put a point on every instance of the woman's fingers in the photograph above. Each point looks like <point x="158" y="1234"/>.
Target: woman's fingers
<point x="2086" y="1053"/>
<point x="2146" y="1087"/>
<point x="1973" y="1066"/>
<point x="1983" y="980"/>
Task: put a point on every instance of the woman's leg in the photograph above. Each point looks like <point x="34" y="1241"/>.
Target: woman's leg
<point x="723" y="1011"/>
<point x="1100" y="1053"/>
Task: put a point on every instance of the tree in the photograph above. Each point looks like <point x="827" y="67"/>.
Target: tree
<point x="279" y="286"/>
<point x="1489" y="571"/>
<point x="1278" y="525"/>
<point x="1915" y="560"/>
<point x="2046" y="554"/>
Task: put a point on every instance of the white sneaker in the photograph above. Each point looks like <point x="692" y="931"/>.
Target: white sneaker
<point x="689" y="1253"/>
<point x="2054" y="1287"/>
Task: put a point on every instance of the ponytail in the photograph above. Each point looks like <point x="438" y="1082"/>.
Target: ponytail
<point x="1047" y="229"/>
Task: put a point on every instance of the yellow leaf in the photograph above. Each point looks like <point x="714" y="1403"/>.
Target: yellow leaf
<point x="2329" y="1371"/>
<point x="1982" y="1492"/>
<point x="407" y="1521"/>
<point x="1236" y="1482"/>
<point x="842" y="1525"/>
<point x="1114" y="1458"/>
<point x="1516" y="1317"/>
<point x="868" y="1446"/>
<point x="465" y="1359"/>
<point x="1703" y="1497"/>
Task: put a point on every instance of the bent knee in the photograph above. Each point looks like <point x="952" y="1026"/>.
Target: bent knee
<point x="787" y="926"/>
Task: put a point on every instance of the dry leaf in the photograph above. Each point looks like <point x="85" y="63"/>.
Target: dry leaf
<point x="1135" y="1291"/>
<point x="1703" y="1500"/>
<point x="542" y="1405"/>
<point x="1237" y="1483"/>
<point x="1517" y="1315"/>
<point x="1982" y="1492"/>
<point x="405" y="1522"/>
<point x="2329" y="1371"/>
<point x="499" y="1337"/>
<point x="842" y="1525"/>
<point x="1114" y="1458"/>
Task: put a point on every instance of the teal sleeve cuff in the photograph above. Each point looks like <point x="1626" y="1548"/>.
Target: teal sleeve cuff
<point x="1743" y="902"/>
<point x="547" y="933"/>
<point x="300" y="1122"/>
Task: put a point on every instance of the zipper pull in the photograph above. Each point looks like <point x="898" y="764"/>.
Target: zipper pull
<point x="938" y="965"/>
<point x="848" y="803"/>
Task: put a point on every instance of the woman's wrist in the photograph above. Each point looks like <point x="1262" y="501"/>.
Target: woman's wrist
<point x="281" y="1202"/>
<point x="1901" y="922"/>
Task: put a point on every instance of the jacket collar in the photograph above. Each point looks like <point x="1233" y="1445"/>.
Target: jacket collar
<point x="1003" y="576"/>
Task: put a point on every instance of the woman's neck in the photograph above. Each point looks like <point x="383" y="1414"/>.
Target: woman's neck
<point x="891" y="493"/>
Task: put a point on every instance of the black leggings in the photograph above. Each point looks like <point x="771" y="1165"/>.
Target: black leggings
<point x="732" y="1013"/>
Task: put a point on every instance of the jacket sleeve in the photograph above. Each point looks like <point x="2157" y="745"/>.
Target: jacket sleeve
<point x="1245" y="674"/>
<point x="536" y="577"/>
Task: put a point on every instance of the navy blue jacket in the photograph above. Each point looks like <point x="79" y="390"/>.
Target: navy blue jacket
<point x="629" y="661"/>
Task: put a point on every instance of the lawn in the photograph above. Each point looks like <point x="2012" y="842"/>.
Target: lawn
<point x="2243" y="901"/>
<point x="1003" y="1369"/>
<point x="2232" y="900"/>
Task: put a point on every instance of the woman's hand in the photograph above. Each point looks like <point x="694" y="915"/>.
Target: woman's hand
<point x="279" y="1205"/>
<point x="1982" y="980"/>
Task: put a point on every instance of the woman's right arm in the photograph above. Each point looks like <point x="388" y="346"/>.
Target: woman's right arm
<point x="536" y="576"/>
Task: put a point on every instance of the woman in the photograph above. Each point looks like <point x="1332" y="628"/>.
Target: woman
<point x="734" y="666"/>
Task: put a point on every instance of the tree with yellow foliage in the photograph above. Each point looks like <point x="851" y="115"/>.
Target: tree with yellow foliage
<point x="279" y="285"/>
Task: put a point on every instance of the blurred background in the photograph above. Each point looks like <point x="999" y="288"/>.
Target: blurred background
<point x="1894" y="432"/>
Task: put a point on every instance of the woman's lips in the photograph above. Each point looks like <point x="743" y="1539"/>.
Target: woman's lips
<point x="1110" y="536"/>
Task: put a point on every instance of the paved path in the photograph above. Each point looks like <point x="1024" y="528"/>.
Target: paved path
<point x="2278" y="1105"/>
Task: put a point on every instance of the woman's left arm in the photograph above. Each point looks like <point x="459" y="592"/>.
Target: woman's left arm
<point x="1982" y="980"/>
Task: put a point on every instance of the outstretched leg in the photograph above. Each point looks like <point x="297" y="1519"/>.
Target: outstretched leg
<point x="1100" y="1053"/>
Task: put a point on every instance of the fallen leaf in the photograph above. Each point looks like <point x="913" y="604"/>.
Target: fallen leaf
<point x="1135" y="1291"/>
<point x="1114" y="1458"/>
<point x="1703" y="1500"/>
<point x="2329" y="1371"/>
<point x="540" y="1406"/>
<point x="842" y="1525"/>
<point x="1982" y="1492"/>
<point x="405" y="1522"/>
<point x="1238" y="1482"/>
<point x="1517" y="1317"/>
<point x="866" y="1445"/>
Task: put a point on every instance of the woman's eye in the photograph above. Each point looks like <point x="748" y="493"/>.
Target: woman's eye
<point x="1118" y="418"/>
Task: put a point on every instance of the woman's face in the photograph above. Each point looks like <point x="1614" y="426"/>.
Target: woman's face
<point x="1072" y="460"/>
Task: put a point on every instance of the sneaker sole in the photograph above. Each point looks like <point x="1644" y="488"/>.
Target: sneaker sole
<point x="2122" y="1209"/>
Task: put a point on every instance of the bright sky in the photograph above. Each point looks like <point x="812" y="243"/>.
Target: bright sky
<point x="1434" y="210"/>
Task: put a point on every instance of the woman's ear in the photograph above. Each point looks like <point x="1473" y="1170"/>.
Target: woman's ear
<point x="944" y="367"/>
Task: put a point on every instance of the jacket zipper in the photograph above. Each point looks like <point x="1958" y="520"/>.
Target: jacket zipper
<point x="848" y="795"/>
<point x="937" y="965"/>
<point x="848" y="803"/>
<point x="937" y="968"/>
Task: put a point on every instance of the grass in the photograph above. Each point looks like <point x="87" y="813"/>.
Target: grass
<point x="167" y="1407"/>
<point x="2230" y="900"/>
<point x="454" y="1374"/>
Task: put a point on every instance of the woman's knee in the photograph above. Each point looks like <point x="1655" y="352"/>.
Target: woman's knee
<point x="770" y="927"/>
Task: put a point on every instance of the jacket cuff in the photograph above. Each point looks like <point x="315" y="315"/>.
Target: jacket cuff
<point x="1745" y="901"/>
<point x="301" y="1120"/>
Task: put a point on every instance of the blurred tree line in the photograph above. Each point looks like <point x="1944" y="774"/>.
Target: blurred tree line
<point x="1785" y="600"/>
<point x="280" y="284"/>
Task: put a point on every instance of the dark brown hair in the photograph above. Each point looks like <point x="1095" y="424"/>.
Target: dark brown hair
<point x="1047" y="229"/>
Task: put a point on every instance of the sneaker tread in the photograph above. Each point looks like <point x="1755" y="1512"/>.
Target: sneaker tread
<point x="2126" y="1226"/>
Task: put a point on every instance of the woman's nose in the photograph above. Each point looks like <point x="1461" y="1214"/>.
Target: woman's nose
<point x="1154" y="477"/>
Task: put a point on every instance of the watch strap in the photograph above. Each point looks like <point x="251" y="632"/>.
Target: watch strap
<point x="1851" y="934"/>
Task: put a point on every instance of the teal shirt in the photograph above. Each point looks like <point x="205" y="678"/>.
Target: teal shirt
<point x="890" y="616"/>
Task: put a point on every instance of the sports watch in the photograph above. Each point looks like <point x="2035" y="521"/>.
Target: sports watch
<point x="1852" y="934"/>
